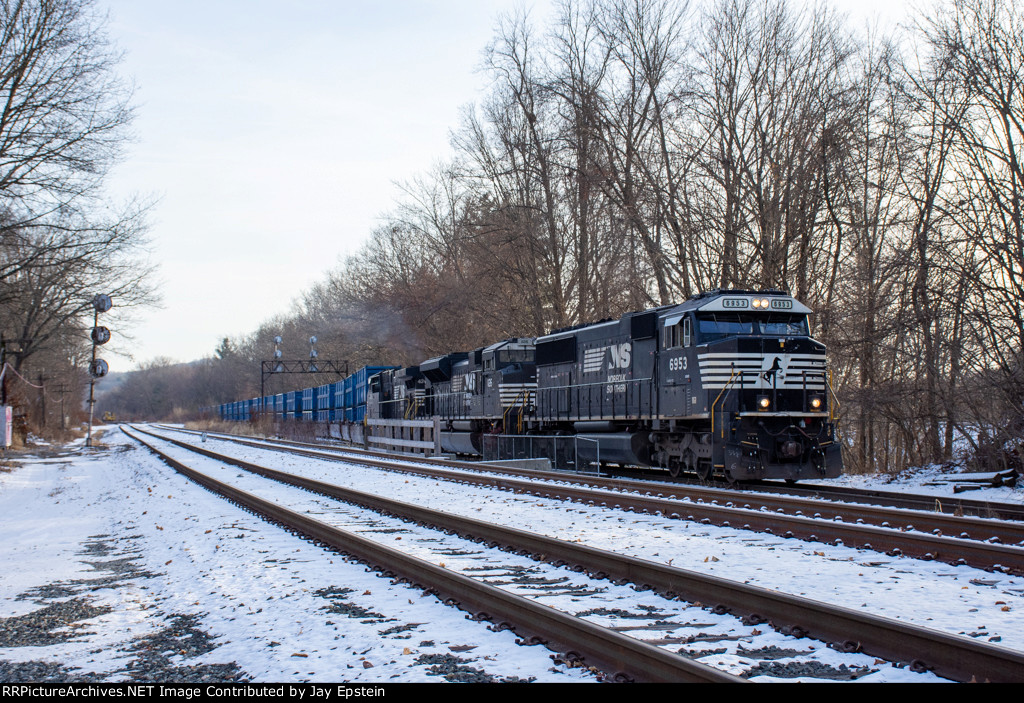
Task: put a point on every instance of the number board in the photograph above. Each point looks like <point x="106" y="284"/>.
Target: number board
<point x="735" y="303"/>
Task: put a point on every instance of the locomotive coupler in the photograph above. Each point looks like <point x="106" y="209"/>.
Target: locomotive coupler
<point x="790" y="450"/>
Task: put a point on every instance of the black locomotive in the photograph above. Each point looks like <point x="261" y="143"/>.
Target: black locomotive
<point x="485" y="391"/>
<point x="727" y="384"/>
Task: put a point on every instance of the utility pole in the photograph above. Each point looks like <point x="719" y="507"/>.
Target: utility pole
<point x="7" y="419"/>
<point x="42" y="401"/>
<point x="3" y="370"/>
<point x="8" y="416"/>
<point x="62" y="390"/>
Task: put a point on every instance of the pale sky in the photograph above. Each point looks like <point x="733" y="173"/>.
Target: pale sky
<point x="272" y="135"/>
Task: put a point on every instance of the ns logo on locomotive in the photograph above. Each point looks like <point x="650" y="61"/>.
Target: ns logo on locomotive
<point x="728" y="384"/>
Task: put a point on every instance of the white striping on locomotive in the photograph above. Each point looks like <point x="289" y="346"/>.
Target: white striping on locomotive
<point x="514" y="394"/>
<point x="593" y="359"/>
<point x="763" y="371"/>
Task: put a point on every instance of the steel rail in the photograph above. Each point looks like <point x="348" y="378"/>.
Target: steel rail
<point x="956" y="551"/>
<point x="623" y="657"/>
<point x="949" y="656"/>
<point x="948" y="505"/>
<point x="936" y="516"/>
<point x="954" y="505"/>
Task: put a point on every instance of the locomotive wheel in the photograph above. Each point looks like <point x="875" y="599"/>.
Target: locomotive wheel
<point x="704" y="469"/>
<point x="683" y="464"/>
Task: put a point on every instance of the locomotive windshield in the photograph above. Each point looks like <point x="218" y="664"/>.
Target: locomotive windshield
<point x="719" y="325"/>
<point x="508" y="356"/>
<point x="787" y="325"/>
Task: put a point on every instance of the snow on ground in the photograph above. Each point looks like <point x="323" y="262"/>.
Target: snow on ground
<point x="104" y="575"/>
<point x="115" y="580"/>
<point x="730" y="644"/>
<point x="932" y="480"/>
<point x="955" y="599"/>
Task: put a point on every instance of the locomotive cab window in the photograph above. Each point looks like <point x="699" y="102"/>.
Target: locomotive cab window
<point x="719" y="325"/>
<point x="671" y="337"/>
<point x="785" y="325"/>
<point x="678" y="335"/>
<point x="508" y="356"/>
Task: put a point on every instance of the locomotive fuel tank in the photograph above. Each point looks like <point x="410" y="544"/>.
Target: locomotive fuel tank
<point x="623" y="448"/>
<point x="456" y="442"/>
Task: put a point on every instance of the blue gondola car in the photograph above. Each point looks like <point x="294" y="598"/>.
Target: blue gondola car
<point x="356" y="411"/>
<point x="307" y="404"/>
<point x="322" y="403"/>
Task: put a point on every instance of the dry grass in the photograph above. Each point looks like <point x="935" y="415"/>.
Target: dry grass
<point x="54" y="443"/>
<point x="97" y="435"/>
<point x="262" y="427"/>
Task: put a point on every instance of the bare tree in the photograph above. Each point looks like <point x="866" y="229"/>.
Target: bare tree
<point x="64" y="111"/>
<point x="42" y="301"/>
<point x="773" y="88"/>
<point x="64" y="114"/>
<point x="647" y="43"/>
<point x="579" y="65"/>
<point x="525" y="134"/>
<point x="980" y="49"/>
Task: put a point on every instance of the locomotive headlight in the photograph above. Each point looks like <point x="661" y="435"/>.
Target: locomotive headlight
<point x="756" y="303"/>
<point x="763" y="402"/>
<point x="815" y="403"/>
<point x="764" y="303"/>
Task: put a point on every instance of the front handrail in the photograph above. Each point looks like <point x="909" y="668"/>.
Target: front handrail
<point x="726" y="387"/>
<point x="832" y="416"/>
<point x="515" y="404"/>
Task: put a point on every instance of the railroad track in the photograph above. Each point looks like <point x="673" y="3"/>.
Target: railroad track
<point x="624" y="658"/>
<point x="771" y="496"/>
<point x="949" y="656"/>
<point x="954" y="505"/>
<point x="646" y="479"/>
<point x="992" y="545"/>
